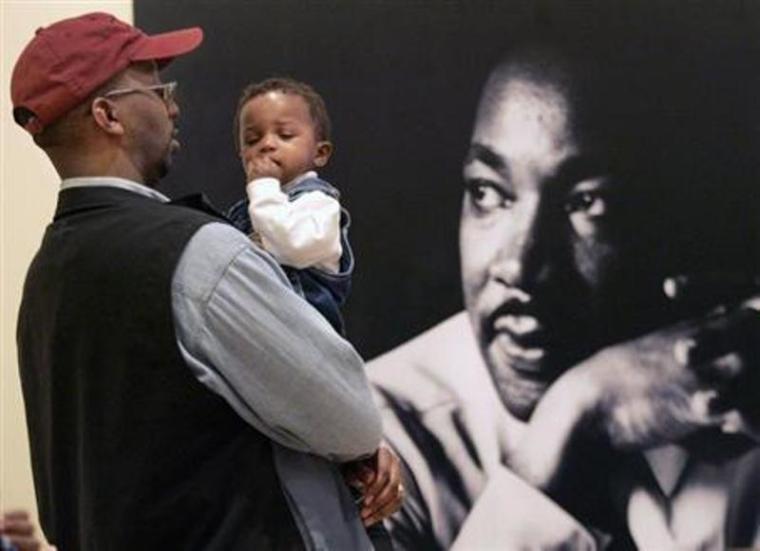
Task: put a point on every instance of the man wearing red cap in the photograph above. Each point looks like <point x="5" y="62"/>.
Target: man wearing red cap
<point x="132" y="301"/>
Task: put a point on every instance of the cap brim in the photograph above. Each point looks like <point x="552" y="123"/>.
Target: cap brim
<point x="164" y="47"/>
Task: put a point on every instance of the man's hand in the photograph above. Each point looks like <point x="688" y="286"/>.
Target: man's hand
<point x="704" y="372"/>
<point x="379" y="478"/>
<point x="262" y="167"/>
<point x="656" y="389"/>
<point x="631" y="395"/>
<point x="726" y="351"/>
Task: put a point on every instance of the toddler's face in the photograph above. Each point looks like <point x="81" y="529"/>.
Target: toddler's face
<point x="279" y="127"/>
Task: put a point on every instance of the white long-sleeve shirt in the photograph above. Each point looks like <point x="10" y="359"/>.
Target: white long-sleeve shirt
<point x="301" y="233"/>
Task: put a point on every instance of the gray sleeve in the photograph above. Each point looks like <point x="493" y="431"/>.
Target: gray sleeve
<point x="279" y="364"/>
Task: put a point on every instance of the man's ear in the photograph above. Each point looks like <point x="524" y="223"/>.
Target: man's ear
<point x="324" y="150"/>
<point x="106" y="116"/>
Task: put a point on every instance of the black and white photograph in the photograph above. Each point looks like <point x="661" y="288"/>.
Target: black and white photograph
<point x="555" y="220"/>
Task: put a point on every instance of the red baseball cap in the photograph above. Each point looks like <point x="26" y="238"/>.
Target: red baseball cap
<point x="67" y="61"/>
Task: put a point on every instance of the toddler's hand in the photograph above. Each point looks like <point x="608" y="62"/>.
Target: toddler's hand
<point x="262" y="167"/>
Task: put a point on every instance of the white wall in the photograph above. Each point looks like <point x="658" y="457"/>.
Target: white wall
<point x="28" y="188"/>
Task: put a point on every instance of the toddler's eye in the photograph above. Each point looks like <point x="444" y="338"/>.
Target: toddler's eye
<point x="487" y="196"/>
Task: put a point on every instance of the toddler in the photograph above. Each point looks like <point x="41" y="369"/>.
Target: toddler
<point x="282" y="132"/>
<point x="283" y="137"/>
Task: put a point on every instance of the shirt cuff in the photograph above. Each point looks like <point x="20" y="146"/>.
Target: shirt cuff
<point x="511" y="514"/>
<point x="262" y="187"/>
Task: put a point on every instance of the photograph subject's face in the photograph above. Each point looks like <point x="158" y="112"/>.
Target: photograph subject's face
<point x="538" y="242"/>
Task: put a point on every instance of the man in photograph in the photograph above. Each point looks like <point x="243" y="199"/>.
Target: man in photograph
<point x="600" y="389"/>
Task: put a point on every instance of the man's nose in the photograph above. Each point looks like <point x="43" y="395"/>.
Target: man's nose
<point x="524" y="260"/>
<point x="173" y="109"/>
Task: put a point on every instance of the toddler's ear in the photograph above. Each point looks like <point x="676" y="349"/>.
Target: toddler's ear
<point x="324" y="150"/>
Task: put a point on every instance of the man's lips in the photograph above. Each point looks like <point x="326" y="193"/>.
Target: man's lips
<point x="175" y="143"/>
<point x="519" y="325"/>
<point x="517" y="351"/>
<point x="522" y="325"/>
<point x="520" y="337"/>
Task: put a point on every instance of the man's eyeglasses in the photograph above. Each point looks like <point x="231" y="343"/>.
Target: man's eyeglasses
<point x="166" y="91"/>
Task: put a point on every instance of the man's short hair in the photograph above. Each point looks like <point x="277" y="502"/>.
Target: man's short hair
<point x="285" y="85"/>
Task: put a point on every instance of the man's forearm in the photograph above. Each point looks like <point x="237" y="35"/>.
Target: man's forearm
<point x="248" y="337"/>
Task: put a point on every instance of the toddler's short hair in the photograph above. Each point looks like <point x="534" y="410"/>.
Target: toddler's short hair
<point x="285" y="85"/>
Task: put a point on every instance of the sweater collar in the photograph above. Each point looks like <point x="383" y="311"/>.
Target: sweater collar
<point x="114" y="182"/>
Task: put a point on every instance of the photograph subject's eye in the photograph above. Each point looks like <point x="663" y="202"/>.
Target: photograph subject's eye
<point x="486" y="196"/>
<point x="590" y="203"/>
